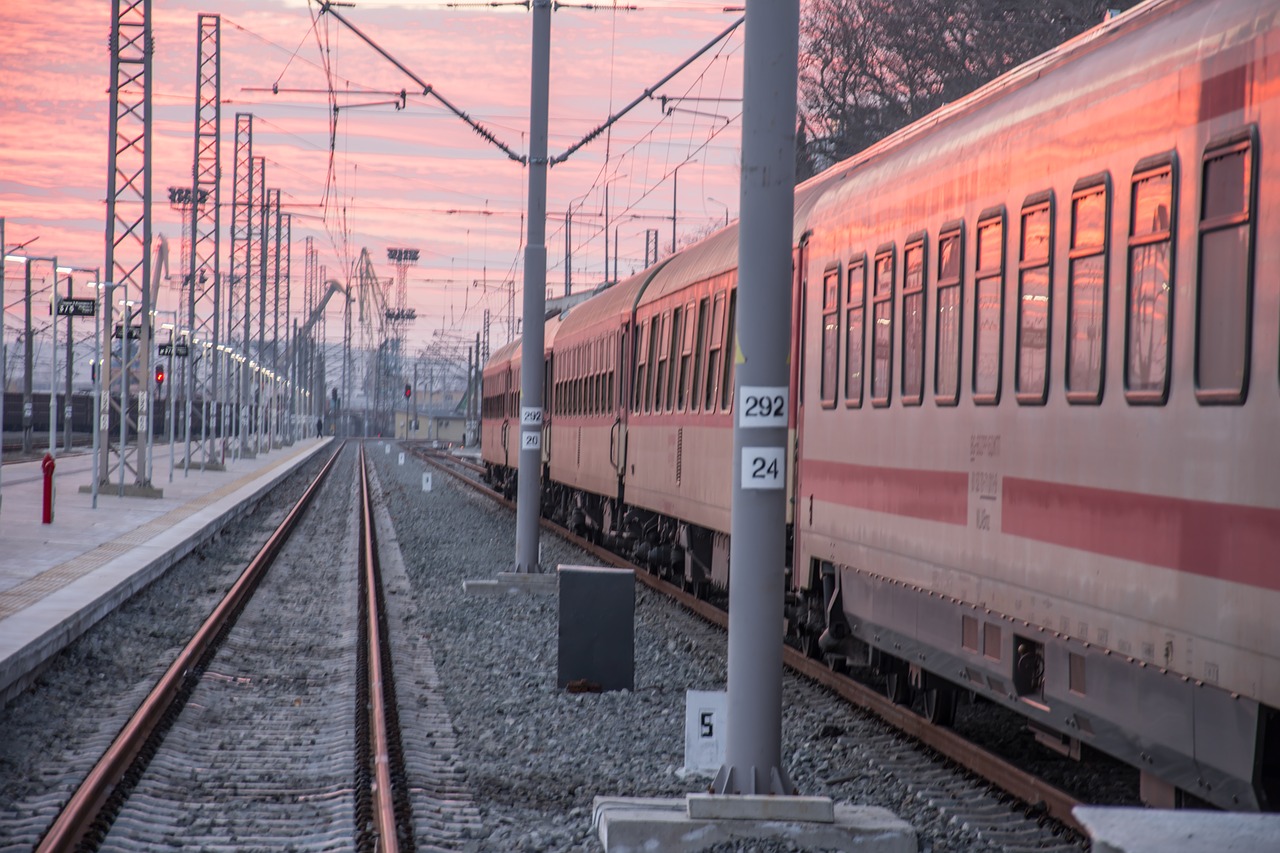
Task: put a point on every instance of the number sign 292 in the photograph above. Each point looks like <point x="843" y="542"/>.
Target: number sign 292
<point x="762" y="406"/>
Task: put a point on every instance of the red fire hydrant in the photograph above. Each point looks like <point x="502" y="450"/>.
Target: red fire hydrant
<point x="47" y="466"/>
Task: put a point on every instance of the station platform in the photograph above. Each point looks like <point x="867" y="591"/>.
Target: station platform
<point x="58" y="579"/>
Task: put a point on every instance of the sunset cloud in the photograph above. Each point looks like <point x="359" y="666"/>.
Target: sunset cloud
<point x="413" y="177"/>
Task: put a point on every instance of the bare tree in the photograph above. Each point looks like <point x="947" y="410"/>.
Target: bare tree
<point x="869" y="67"/>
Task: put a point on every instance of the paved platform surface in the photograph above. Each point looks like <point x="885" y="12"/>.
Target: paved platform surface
<point x="1134" y="830"/>
<point x="56" y="580"/>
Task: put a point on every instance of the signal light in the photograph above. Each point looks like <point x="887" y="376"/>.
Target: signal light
<point x="408" y="391"/>
<point x="159" y="377"/>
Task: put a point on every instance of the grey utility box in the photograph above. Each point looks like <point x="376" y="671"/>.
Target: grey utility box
<point x="597" y="629"/>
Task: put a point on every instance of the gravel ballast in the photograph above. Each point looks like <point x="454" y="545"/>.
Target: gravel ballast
<point x="535" y="756"/>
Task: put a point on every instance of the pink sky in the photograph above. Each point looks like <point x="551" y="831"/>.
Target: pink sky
<point x="419" y="177"/>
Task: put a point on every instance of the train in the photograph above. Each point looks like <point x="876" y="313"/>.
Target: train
<point x="1033" y="419"/>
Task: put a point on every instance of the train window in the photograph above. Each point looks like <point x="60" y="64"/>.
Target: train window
<point x="1224" y="288"/>
<point x="704" y="306"/>
<point x="830" y="336"/>
<point x="946" y="368"/>
<point x="686" y="358"/>
<point x="988" y="313"/>
<point x="655" y="336"/>
<point x="1087" y="290"/>
<point x="714" y="356"/>
<point x="882" y="328"/>
<point x="673" y="357"/>
<point x="642" y="361"/>
<point x="726" y="390"/>
<point x="855" y="293"/>
<point x="1035" y="308"/>
<point x="913" y="325"/>
<point x="1149" y="307"/>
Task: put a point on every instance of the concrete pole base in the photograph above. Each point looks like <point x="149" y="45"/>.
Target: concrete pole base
<point x="699" y="821"/>
<point x="1114" y="829"/>
<point x="514" y="582"/>
<point x="131" y="490"/>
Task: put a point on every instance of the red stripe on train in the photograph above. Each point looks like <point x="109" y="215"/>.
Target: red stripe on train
<point x="1226" y="541"/>
<point x="929" y="495"/>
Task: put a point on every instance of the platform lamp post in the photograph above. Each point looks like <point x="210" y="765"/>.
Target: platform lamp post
<point x="173" y="340"/>
<point x="71" y="313"/>
<point x="28" y="405"/>
<point x="725" y="206"/>
<point x="101" y="404"/>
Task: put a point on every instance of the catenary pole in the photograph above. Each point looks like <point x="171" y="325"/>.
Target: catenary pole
<point x="753" y="748"/>
<point x="535" y="301"/>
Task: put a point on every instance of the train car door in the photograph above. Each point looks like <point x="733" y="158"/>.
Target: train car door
<point x="795" y="416"/>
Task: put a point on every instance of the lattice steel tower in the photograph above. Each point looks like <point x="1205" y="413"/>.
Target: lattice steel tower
<point x="204" y="302"/>
<point x="242" y="270"/>
<point x="128" y="233"/>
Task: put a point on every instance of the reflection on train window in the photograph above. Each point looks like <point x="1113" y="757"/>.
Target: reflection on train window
<point x="1031" y="383"/>
<point x="882" y="329"/>
<point x="717" y="352"/>
<point x="913" y="311"/>
<point x="1150" y="286"/>
<point x="830" y="336"/>
<point x="1224" y="280"/>
<point x="1087" y="294"/>
<point x="726" y="391"/>
<point x="946" y="369"/>
<point x="853" y="327"/>
<point x="988" y="314"/>
<point x="704" y="307"/>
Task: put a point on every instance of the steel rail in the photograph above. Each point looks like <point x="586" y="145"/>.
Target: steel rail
<point x="78" y="816"/>
<point x="1014" y="781"/>
<point x="384" y="804"/>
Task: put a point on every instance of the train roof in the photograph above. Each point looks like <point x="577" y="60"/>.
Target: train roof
<point x="718" y="253"/>
<point x="511" y="350"/>
<point x="610" y="307"/>
<point x="943" y="134"/>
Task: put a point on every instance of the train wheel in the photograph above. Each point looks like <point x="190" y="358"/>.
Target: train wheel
<point x="897" y="686"/>
<point x="809" y="645"/>
<point x="940" y="705"/>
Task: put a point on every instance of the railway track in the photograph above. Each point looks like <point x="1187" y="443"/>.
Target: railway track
<point x="246" y="740"/>
<point x="983" y="812"/>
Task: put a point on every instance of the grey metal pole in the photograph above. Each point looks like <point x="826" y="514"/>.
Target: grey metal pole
<point x="172" y="343"/>
<point x="97" y="384"/>
<point x="124" y="385"/>
<point x="4" y="378"/>
<point x="535" y="301"/>
<point x="106" y="325"/>
<point x="753" y="748"/>
<point x="53" y="365"/>
<point x="66" y="400"/>
<point x="28" y="356"/>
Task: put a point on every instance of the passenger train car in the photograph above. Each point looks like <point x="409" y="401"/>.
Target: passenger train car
<point x="1035" y="399"/>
